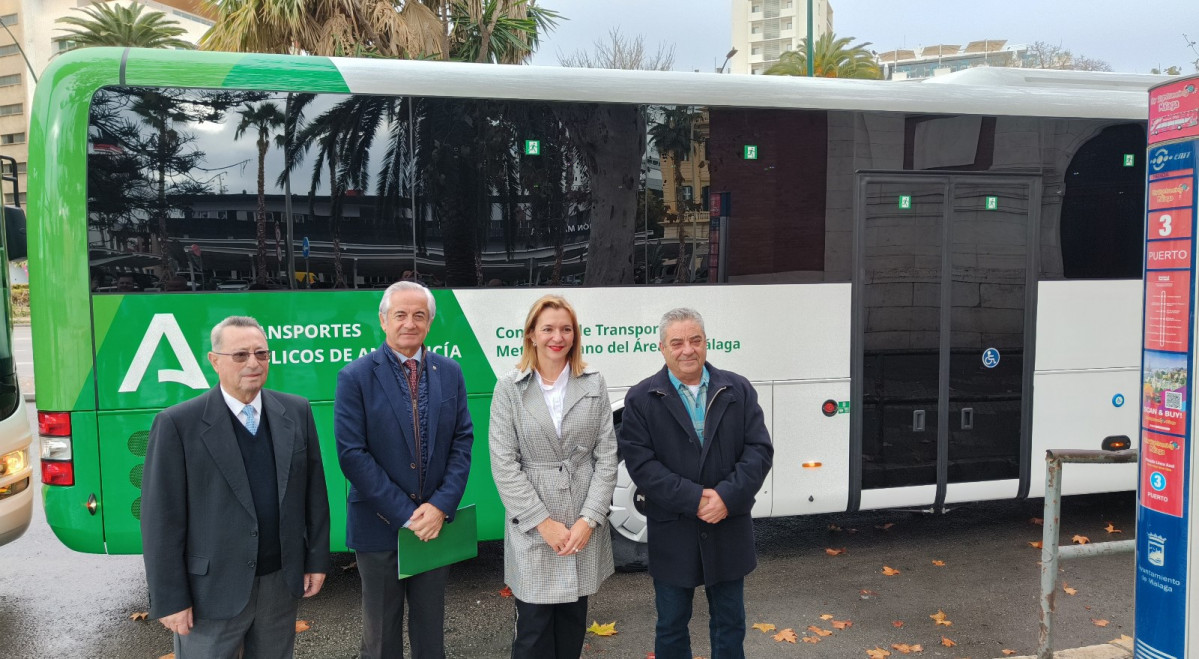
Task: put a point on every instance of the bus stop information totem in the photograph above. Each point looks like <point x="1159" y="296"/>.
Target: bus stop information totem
<point x="1165" y="517"/>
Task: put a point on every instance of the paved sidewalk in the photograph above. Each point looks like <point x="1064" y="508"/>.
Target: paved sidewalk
<point x="1120" y="648"/>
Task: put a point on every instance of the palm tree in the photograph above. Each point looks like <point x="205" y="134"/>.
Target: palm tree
<point x="831" y="58"/>
<point x="264" y="118"/>
<point x="114" y="25"/>
<point x="673" y="134"/>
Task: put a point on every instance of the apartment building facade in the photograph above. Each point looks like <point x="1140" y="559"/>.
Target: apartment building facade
<point x="765" y="29"/>
<point x="30" y="38"/>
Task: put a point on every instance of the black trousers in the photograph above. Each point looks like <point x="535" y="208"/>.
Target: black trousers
<point x="383" y="599"/>
<point x="550" y="631"/>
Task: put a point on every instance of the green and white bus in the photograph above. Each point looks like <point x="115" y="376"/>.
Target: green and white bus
<point x="929" y="283"/>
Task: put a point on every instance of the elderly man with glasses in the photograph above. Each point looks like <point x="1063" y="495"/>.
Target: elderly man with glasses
<point x="235" y="515"/>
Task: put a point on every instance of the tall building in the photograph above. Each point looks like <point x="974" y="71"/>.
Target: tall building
<point x="929" y="61"/>
<point x="765" y="29"/>
<point x="32" y="39"/>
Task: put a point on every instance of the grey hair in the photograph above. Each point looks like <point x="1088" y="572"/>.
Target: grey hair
<point x="679" y="315"/>
<point x="232" y="321"/>
<point x="385" y="303"/>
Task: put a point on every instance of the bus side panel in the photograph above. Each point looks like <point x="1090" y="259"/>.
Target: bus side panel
<point x="1074" y="410"/>
<point x="123" y="439"/>
<point x="803" y="434"/>
<point x="480" y="489"/>
<point x="1087" y="384"/>
<point x="66" y="507"/>
<point x="335" y="481"/>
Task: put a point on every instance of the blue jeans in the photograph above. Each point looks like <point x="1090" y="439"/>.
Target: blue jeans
<point x="726" y="625"/>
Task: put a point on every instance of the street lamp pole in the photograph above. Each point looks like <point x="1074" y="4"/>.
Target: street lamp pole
<point x="21" y="50"/>
<point x="727" y="57"/>
<point x="811" y="65"/>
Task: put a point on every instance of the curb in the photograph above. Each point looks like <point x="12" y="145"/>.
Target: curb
<point x="1120" y="648"/>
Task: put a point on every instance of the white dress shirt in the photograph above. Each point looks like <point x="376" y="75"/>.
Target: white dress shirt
<point x="236" y="406"/>
<point x="555" y="397"/>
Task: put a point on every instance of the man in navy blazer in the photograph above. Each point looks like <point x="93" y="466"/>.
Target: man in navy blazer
<point x="694" y="440"/>
<point x="404" y="437"/>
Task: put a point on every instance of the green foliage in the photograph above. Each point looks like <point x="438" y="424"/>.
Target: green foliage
<point x="114" y="25"/>
<point x="832" y="57"/>
<point x="20" y="301"/>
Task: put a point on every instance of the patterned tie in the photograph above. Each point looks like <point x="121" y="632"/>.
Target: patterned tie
<point x="251" y="420"/>
<point x="412" y="370"/>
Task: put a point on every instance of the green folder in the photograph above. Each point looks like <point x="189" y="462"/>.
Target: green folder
<point x="458" y="541"/>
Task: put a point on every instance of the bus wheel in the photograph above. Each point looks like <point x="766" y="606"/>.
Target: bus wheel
<point x="629" y="551"/>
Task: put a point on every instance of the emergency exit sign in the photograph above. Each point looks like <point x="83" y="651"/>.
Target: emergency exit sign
<point x="532" y="147"/>
<point x="905" y="202"/>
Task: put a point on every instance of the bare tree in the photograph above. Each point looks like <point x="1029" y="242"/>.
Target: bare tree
<point x="1194" y="49"/>
<point x="1044" y="55"/>
<point x="621" y="52"/>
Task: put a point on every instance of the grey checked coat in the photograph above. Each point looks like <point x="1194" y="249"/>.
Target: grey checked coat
<point x="539" y="476"/>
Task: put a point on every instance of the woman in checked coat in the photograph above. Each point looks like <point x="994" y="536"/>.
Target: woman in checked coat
<point x="553" y="457"/>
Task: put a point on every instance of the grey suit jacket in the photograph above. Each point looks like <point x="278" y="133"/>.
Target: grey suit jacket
<point x="199" y="527"/>
<point x="540" y="476"/>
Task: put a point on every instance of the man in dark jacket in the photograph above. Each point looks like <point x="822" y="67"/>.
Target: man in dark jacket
<point x="695" y="443"/>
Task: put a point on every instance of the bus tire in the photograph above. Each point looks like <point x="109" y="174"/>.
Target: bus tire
<point x="629" y="551"/>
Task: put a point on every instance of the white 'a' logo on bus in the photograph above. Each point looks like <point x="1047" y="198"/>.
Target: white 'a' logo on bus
<point x="190" y="375"/>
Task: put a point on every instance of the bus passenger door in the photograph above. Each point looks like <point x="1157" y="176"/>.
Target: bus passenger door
<point x="941" y="290"/>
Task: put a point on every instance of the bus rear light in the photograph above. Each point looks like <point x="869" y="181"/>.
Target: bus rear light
<point x="812" y="465"/>
<point x="58" y="473"/>
<point x="54" y="424"/>
<point x="56" y="448"/>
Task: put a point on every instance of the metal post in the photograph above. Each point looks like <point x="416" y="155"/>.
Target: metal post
<point x="811" y="64"/>
<point x="1049" y="542"/>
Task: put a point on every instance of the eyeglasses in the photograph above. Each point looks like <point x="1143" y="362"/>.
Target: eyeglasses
<point x="242" y="355"/>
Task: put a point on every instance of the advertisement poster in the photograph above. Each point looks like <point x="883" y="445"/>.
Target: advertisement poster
<point x="1169" y="351"/>
<point x="1173" y="111"/>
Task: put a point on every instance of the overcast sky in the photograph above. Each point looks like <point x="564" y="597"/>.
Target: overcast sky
<point x="1132" y="37"/>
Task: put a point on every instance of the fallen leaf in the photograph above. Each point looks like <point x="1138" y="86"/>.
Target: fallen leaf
<point x="302" y="626"/>
<point x="939" y="563"/>
<point x="602" y="630"/>
<point x="1036" y="521"/>
<point x="947" y="643"/>
<point x="897" y="624"/>
<point x="842" y="624"/>
<point x="834" y="527"/>
<point x="140" y="615"/>
<point x="941" y="619"/>
<point x="764" y="626"/>
<point x="1036" y="545"/>
<point x="1123" y="637"/>
<point x="1087" y="607"/>
<point x="904" y="648"/>
<point x="884" y="527"/>
<point x="833" y="552"/>
<point x="1008" y="653"/>
<point x="352" y="566"/>
<point x="168" y="656"/>
<point x="1111" y="528"/>
<point x="851" y="530"/>
<point x="505" y="592"/>
<point x="811" y="639"/>
<point x="818" y="631"/>
<point x="867" y="593"/>
<point x="1100" y="622"/>
<point x="917" y="648"/>
<point x="827" y="616"/>
<point x="787" y="635"/>
<point x="877" y="653"/>
<point x="1068" y="590"/>
<point x="890" y="571"/>
<point x="1081" y="539"/>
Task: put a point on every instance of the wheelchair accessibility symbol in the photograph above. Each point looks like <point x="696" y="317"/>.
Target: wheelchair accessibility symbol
<point x="1157" y="481"/>
<point x="1118" y="400"/>
<point x="991" y="358"/>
